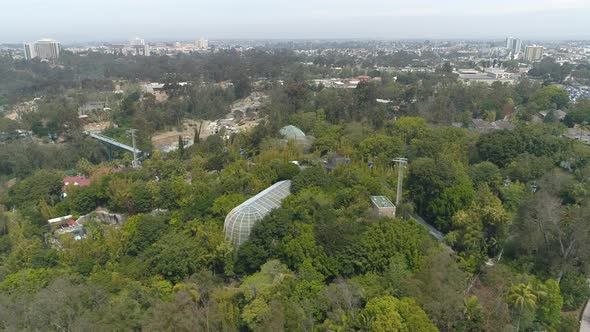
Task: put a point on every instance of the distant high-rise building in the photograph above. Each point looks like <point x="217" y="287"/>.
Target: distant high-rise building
<point x="136" y="41"/>
<point x="137" y="46"/>
<point x="514" y="45"/>
<point x="47" y="49"/>
<point x="30" y="51"/>
<point x="202" y="44"/>
<point x="533" y="53"/>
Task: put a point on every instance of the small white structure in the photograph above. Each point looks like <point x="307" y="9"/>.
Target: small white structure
<point x="60" y="219"/>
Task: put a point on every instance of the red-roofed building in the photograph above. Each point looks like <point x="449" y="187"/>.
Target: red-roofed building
<point x="67" y="225"/>
<point x="74" y="181"/>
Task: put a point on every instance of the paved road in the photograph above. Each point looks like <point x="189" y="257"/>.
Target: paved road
<point x="433" y="231"/>
<point x="585" y="322"/>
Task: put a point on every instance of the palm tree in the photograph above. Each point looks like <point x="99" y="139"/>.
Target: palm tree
<point x="470" y="307"/>
<point x="472" y="313"/>
<point x="522" y="296"/>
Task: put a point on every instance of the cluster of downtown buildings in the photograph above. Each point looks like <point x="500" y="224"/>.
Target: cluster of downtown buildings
<point x="138" y="46"/>
<point x="532" y="53"/>
<point x="49" y="50"/>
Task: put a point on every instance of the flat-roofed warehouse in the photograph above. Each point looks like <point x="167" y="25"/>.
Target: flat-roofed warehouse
<point x="240" y="221"/>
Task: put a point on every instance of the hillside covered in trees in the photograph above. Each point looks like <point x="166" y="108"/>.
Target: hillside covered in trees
<point x="513" y="204"/>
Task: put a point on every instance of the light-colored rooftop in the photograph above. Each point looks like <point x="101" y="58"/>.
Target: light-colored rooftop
<point x="382" y="202"/>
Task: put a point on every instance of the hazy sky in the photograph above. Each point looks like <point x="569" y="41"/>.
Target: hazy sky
<point x="84" y="20"/>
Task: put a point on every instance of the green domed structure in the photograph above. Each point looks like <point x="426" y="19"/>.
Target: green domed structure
<point x="292" y="132"/>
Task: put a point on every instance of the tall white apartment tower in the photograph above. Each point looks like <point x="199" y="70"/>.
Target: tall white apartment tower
<point x="202" y="44"/>
<point x="514" y="45"/>
<point x="137" y="41"/>
<point x="30" y="51"/>
<point x="533" y="53"/>
<point x="47" y="49"/>
<point x="137" y="46"/>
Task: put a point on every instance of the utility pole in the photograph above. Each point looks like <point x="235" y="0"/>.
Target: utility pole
<point x="400" y="179"/>
<point x="135" y="162"/>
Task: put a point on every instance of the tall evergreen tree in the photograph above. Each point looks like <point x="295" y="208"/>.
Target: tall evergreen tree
<point x="180" y="147"/>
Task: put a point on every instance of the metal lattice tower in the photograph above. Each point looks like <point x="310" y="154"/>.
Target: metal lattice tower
<point x="135" y="162"/>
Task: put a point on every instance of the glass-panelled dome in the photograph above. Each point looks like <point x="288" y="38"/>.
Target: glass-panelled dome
<point x="292" y="132"/>
<point x="241" y="219"/>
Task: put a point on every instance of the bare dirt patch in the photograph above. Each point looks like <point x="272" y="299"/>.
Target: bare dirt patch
<point x="162" y="140"/>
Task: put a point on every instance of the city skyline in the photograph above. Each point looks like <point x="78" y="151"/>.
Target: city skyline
<point x="372" y="19"/>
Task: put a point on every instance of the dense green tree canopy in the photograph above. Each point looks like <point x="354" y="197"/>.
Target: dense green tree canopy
<point x="150" y="252"/>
